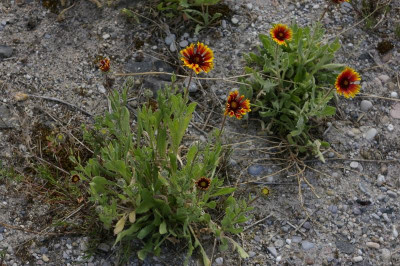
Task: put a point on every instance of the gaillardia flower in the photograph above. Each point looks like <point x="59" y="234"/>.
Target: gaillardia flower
<point x="281" y="33"/>
<point x="203" y="183"/>
<point x="236" y="105"/>
<point x="104" y="65"/>
<point x="75" y="179"/>
<point x="345" y="83"/>
<point x="199" y="58"/>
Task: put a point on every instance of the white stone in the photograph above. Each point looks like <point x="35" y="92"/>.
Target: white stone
<point x="373" y="245"/>
<point x="371" y="133"/>
<point x="219" y="260"/>
<point x="235" y="21"/>
<point x="380" y="180"/>
<point x="357" y="259"/>
<point x="365" y="105"/>
<point x="390" y="127"/>
<point x="394" y="94"/>
<point x="384" y="78"/>
<point x="106" y="36"/>
<point x="249" y="6"/>
<point x="354" y="165"/>
<point x="170" y="39"/>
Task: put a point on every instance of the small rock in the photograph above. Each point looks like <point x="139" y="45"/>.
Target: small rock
<point x="333" y="209"/>
<point x="386" y="217"/>
<point x="106" y="36"/>
<point x="306" y="245"/>
<point x="45" y="258"/>
<point x="356" y="211"/>
<point x="316" y="6"/>
<point x="104" y="247"/>
<point x="309" y="261"/>
<point x="256" y="170"/>
<point x="170" y="39"/>
<point x="249" y="6"/>
<point x="296" y="239"/>
<point x="235" y="20"/>
<point x="384" y="78"/>
<point x="372" y="245"/>
<point x="101" y="88"/>
<point x="219" y="261"/>
<point x="307" y="225"/>
<point x="386" y="254"/>
<point x="223" y="23"/>
<point x="5" y="51"/>
<point x="172" y="47"/>
<point x="390" y="127"/>
<point x="278" y="259"/>
<point x="192" y="86"/>
<point x="288" y="241"/>
<point x="394" y="231"/>
<point x="279" y="243"/>
<point x="183" y="43"/>
<point x="365" y="105"/>
<point x="395" y="111"/>
<point x="392" y="194"/>
<point x="273" y="251"/>
<point x="357" y="259"/>
<point x="371" y="133"/>
<point x="251" y="254"/>
<point x="380" y="180"/>
<point x="394" y="94"/>
<point x="354" y="165"/>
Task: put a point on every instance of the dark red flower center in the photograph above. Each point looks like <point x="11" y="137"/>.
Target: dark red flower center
<point x="281" y="35"/>
<point x="196" y="59"/>
<point x="345" y="83"/>
<point x="234" y="105"/>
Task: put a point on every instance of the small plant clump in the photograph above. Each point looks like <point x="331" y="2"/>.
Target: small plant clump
<point x="146" y="187"/>
<point x="291" y="82"/>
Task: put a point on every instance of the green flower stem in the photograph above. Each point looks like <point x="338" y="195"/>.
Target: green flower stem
<point x="222" y="126"/>
<point x="278" y="71"/>
<point x="186" y="92"/>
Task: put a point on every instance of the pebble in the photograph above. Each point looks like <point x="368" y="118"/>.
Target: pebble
<point x="356" y="211"/>
<point x="235" y="20"/>
<point x="192" y="86"/>
<point x="296" y="239"/>
<point x="106" y="36"/>
<point x="45" y="258"/>
<point x="5" y="51"/>
<point x="279" y="243"/>
<point x="170" y="39"/>
<point x="384" y="78"/>
<point x="392" y="194"/>
<point x="371" y="133"/>
<point x="373" y="245"/>
<point x="395" y="111"/>
<point x="251" y="254"/>
<point x="104" y="247"/>
<point x="183" y="43"/>
<point x="333" y="209"/>
<point x="101" y="88"/>
<point x="357" y="259"/>
<point x="365" y="105"/>
<point x="354" y="165"/>
<point x="380" y="180"/>
<point x="394" y="231"/>
<point x="219" y="261"/>
<point x="385" y="254"/>
<point x="223" y="23"/>
<point x="390" y="127"/>
<point x="288" y="241"/>
<point x="273" y="251"/>
<point x="394" y="94"/>
<point x="249" y="6"/>
<point x="386" y="217"/>
<point x="316" y="6"/>
<point x="256" y="170"/>
<point x="43" y="250"/>
<point x="306" y="245"/>
<point x="172" y="47"/>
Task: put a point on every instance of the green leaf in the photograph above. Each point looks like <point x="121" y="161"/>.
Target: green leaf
<point x="328" y="111"/>
<point x="211" y="204"/>
<point x="145" y="231"/>
<point x="223" y="191"/>
<point x="163" y="228"/>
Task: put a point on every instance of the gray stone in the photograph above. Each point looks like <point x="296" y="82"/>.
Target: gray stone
<point x="223" y="23"/>
<point x="183" y="43"/>
<point x="365" y="105"/>
<point x="273" y="251"/>
<point x="170" y="39"/>
<point x="251" y="254"/>
<point x="106" y="36"/>
<point x="104" y="247"/>
<point x="386" y="254"/>
<point x="306" y="245"/>
<point x="307" y="225"/>
<point x="256" y="170"/>
<point x="5" y="51"/>
<point x="380" y="180"/>
<point x="354" y="165"/>
<point x="235" y="20"/>
<point x="172" y="47"/>
<point x="279" y="243"/>
<point x="392" y="194"/>
<point x="43" y="250"/>
<point x="386" y="217"/>
<point x="219" y="261"/>
<point x="395" y="111"/>
<point x="344" y="246"/>
<point x="296" y="239"/>
<point x="249" y="6"/>
<point x="192" y="86"/>
<point x="371" y="133"/>
<point x="333" y="209"/>
<point x="394" y="231"/>
<point x="384" y="78"/>
<point x="357" y="259"/>
<point x="394" y="94"/>
<point x="356" y="211"/>
<point x="143" y="66"/>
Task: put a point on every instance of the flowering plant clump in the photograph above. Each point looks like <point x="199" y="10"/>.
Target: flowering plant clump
<point x="292" y="80"/>
<point x="144" y="187"/>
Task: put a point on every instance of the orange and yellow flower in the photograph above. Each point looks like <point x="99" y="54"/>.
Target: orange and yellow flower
<point x="281" y="33"/>
<point x="199" y="58"/>
<point x="236" y="105"/>
<point x="340" y="1"/>
<point x="203" y="183"/>
<point x="347" y="83"/>
<point x="104" y="65"/>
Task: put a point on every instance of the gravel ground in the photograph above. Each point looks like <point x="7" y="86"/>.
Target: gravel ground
<point x="353" y="215"/>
